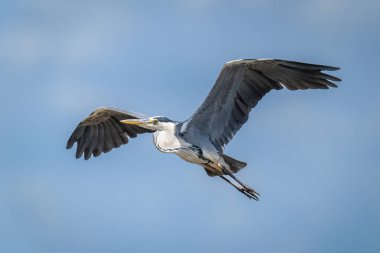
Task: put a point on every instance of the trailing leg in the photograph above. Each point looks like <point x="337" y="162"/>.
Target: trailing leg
<point x="246" y="188"/>
<point x="241" y="189"/>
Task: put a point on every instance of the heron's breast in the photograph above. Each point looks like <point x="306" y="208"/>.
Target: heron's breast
<point x="169" y="143"/>
<point x="166" y="141"/>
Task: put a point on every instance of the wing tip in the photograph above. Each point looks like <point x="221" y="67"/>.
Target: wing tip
<point x="70" y="142"/>
<point x="305" y="65"/>
<point x="337" y="79"/>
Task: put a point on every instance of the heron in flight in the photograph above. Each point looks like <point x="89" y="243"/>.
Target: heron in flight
<point x="201" y="138"/>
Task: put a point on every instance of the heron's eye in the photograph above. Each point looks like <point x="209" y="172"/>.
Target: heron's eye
<point x="155" y="122"/>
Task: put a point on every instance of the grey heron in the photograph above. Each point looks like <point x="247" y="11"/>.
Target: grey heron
<point x="201" y="139"/>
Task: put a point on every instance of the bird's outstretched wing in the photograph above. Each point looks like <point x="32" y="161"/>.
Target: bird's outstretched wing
<point x="240" y="86"/>
<point x="101" y="131"/>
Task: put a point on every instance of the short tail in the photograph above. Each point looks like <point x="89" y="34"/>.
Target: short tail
<point x="234" y="164"/>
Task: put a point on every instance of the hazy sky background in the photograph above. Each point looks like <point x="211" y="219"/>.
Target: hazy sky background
<point x="313" y="155"/>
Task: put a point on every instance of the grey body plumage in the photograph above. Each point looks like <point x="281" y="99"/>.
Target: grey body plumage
<point x="201" y="139"/>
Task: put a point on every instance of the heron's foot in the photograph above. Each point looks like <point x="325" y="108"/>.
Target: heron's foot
<point x="246" y="190"/>
<point x="243" y="188"/>
<point x="249" y="192"/>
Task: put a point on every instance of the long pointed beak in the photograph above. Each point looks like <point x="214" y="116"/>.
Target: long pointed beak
<point x="137" y="122"/>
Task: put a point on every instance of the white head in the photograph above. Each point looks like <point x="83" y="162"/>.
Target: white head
<point x="157" y="123"/>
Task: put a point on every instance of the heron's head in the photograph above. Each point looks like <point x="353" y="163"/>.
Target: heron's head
<point x="157" y="123"/>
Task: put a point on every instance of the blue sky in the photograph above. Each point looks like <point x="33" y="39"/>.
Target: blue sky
<point x="313" y="155"/>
